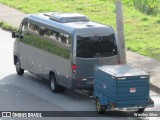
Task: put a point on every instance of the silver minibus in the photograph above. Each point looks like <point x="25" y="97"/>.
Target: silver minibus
<point x="64" y="48"/>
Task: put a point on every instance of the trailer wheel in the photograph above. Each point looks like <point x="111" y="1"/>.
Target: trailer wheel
<point x="141" y="110"/>
<point x="99" y="107"/>
<point x="19" y="70"/>
<point x="54" y="86"/>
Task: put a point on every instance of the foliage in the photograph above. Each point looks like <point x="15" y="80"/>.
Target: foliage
<point x="149" y="7"/>
<point x="6" y="26"/>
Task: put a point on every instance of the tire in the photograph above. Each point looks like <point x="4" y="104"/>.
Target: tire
<point x="141" y="110"/>
<point x="99" y="107"/>
<point x="19" y="70"/>
<point x="54" y="86"/>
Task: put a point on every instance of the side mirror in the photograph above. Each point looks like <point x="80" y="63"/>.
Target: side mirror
<point x="14" y="35"/>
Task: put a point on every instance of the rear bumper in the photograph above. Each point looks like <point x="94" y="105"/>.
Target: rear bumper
<point x="79" y="85"/>
<point x="84" y="87"/>
<point x="132" y="107"/>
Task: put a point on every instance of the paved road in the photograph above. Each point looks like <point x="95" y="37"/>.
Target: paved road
<point x="28" y="93"/>
<point x="11" y="15"/>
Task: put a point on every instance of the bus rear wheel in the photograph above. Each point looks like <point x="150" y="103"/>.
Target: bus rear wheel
<point x="54" y="86"/>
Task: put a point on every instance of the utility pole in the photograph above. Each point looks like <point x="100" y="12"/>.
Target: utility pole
<point x="120" y="30"/>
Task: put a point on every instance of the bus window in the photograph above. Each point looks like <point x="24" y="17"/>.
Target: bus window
<point x="24" y="29"/>
<point x="34" y="28"/>
<point x="96" y="46"/>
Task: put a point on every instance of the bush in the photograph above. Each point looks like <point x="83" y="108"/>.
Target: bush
<point x="6" y="26"/>
<point x="149" y="7"/>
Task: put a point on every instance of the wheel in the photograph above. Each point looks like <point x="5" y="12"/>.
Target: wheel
<point x="19" y="70"/>
<point x="54" y="86"/>
<point x="99" y="107"/>
<point x="141" y="109"/>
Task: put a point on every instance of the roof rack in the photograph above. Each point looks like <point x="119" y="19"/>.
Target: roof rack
<point x="50" y="13"/>
<point x="66" y="17"/>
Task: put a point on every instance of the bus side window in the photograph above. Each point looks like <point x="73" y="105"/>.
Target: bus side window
<point x="65" y="39"/>
<point x="42" y="31"/>
<point x="23" y="29"/>
<point x="54" y="36"/>
<point x="47" y="33"/>
<point x="33" y="28"/>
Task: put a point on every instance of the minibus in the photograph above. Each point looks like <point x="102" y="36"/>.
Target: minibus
<point x="64" y="48"/>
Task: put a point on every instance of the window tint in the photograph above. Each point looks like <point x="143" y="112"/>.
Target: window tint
<point x="61" y="38"/>
<point x="24" y="29"/>
<point x="47" y="40"/>
<point x="97" y="46"/>
<point x="33" y="27"/>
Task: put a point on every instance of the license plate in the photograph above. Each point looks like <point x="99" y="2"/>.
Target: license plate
<point x="90" y="81"/>
<point x="132" y="90"/>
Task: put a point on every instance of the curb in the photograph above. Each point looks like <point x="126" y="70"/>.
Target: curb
<point x="155" y="89"/>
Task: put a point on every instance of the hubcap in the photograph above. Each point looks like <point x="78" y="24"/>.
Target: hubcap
<point x="52" y="83"/>
<point x="18" y="66"/>
<point x="98" y="106"/>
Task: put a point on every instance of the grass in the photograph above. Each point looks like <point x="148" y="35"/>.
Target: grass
<point x="142" y="32"/>
<point x="6" y="26"/>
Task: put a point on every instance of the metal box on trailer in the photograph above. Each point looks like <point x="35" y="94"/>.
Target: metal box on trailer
<point x="121" y="86"/>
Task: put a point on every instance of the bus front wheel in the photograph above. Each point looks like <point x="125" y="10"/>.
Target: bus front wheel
<point x="19" y="70"/>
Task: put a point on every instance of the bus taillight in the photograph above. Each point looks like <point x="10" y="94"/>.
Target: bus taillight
<point x="74" y="67"/>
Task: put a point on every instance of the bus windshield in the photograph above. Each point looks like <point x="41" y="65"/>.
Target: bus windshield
<point x="96" y="46"/>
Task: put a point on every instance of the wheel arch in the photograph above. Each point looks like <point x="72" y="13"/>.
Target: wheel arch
<point x="57" y="86"/>
<point x="102" y="99"/>
<point x="15" y="59"/>
<point x="55" y="74"/>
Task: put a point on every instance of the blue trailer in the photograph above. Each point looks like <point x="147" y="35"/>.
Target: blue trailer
<point x="121" y="86"/>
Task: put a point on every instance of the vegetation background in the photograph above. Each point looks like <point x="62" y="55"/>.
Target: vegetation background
<point x="141" y="18"/>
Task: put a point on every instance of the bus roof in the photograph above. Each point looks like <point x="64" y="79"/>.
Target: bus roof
<point x="67" y="22"/>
